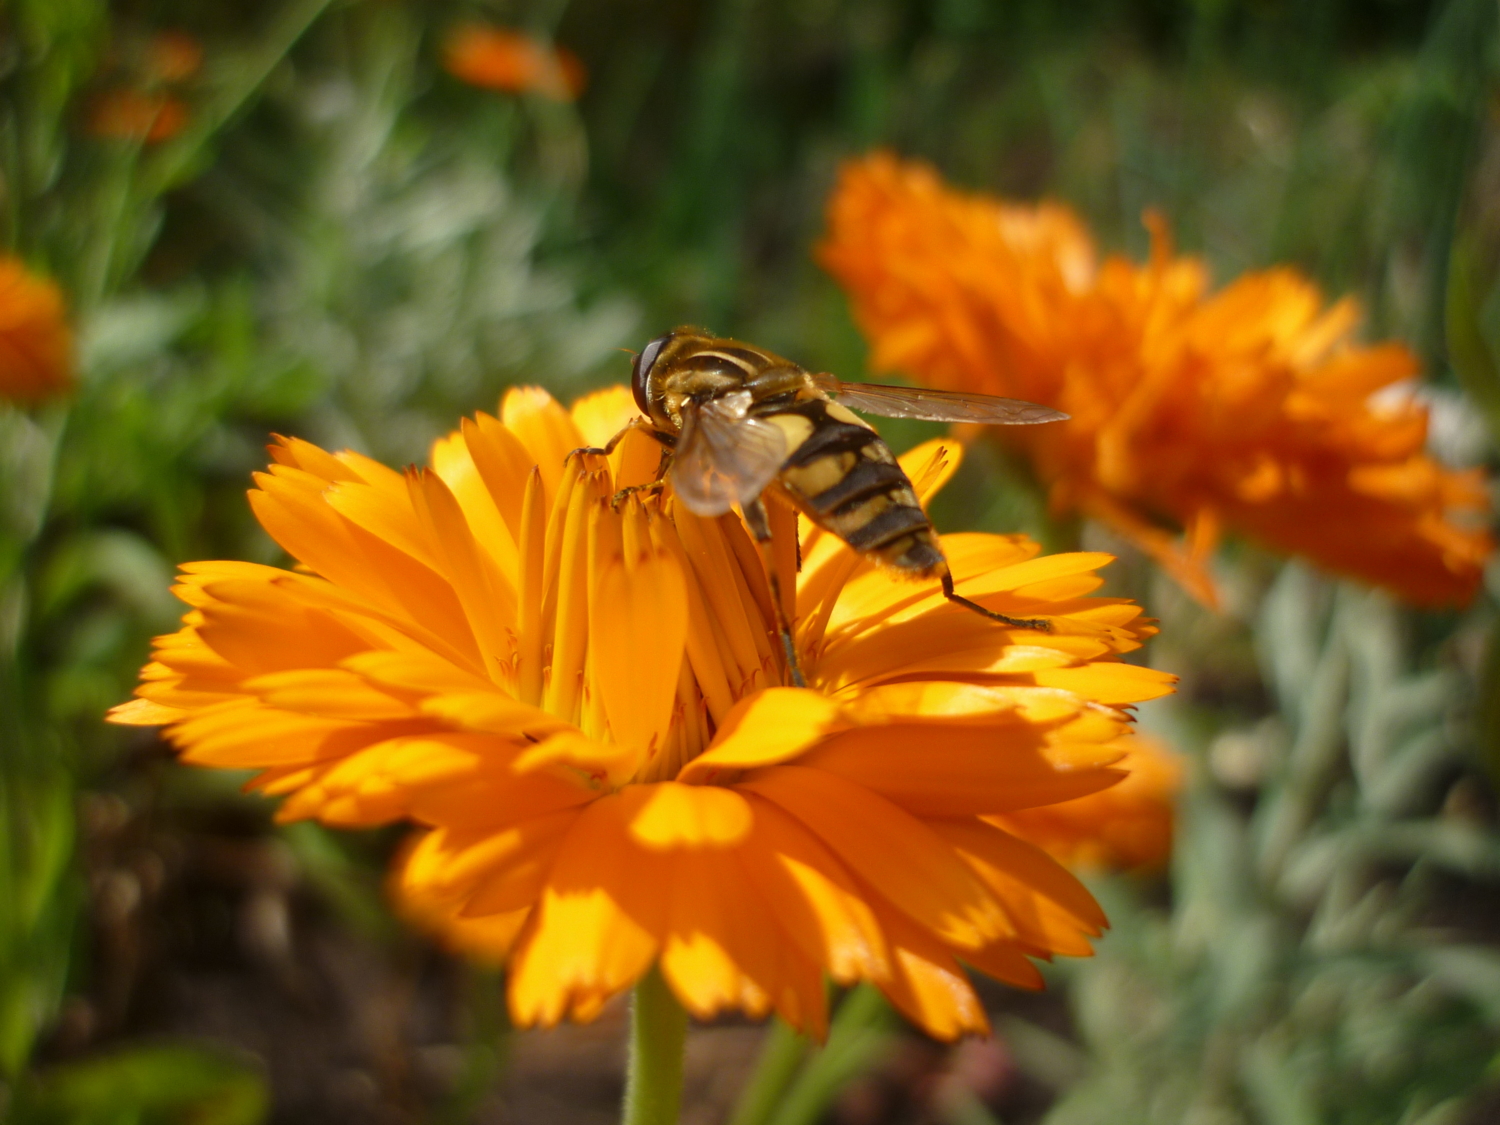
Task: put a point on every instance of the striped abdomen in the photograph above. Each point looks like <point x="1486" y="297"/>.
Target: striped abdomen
<point x="847" y="481"/>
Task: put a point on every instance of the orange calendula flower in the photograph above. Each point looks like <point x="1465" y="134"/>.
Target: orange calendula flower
<point x="583" y="702"/>
<point x="137" y="115"/>
<point x="36" y="348"/>
<point x="1125" y="827"/>
<point x="1192" y="411"/>
<point x="499" y="59"/>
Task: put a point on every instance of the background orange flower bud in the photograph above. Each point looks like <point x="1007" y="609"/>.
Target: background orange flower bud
<point x="135" y="115"/>
<point x="173" y="56"/>
<point x="36" y="350"/>
<point x="499" y="59"/>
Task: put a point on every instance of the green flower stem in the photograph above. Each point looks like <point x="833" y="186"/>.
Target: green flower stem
<point x="781" y="1058"/>
<point x="794" y="1083"/>
<point x="860" y="1036"/>
<point x="658" y="1029"/>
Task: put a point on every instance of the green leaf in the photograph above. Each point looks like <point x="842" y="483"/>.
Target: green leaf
<point x="123" y="562"/>
<point x="162" y="1085"/>
<point x="1487" y="713"/>
<point x="862" y="1034"/>
<point x="1469" y="348"/>
<point x="36" y="844"/>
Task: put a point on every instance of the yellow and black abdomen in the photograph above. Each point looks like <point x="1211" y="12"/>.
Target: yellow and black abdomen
<point x="847" y="481"/>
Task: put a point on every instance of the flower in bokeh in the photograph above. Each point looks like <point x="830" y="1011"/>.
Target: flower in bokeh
<point x="497" y="58"/>
<point x="147" y="117"/>
<point x="1192" y="412"/>
<point x="36" y="348"/>
<point x="172" y="57"/>
<point x="583" y="703"/>
<point x="1125" y="827"/>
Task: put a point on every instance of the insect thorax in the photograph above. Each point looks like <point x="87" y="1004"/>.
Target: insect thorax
<point x="702" y="367"/>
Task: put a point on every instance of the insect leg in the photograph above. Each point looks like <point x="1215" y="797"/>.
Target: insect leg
<point x="655" y="484"/>
<point x="1014" y="622"/>
<point x="760" y="529"/>
<point x="609" y="446"/>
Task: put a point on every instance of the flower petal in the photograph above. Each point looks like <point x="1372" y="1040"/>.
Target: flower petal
<point x="889" y="849"/>
<point x="926" y="984"/>
<point x="690" y="816"/>
<point x="1050" y="909"/>
<point x="817" y="903"/>
<point x="544" y="428"/>
<point x="771" y="726"/>
<point x="712" y="932"/>
<point x="596" y="926"/>
<point x="967" y="769"/>
<point x="638" y="626"/>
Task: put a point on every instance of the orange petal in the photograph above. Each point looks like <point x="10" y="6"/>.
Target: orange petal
<point x="498" y="798"/>
<point x="1005" y="962"/>
<point x="1127" y="826"/>
<point x="1050" y="909"/>
<point x="926" y="984"/>
<point x="512" y="866"/>
<point x="817" y="903"/>
<point x="638" y="629"/>
<point x="503" y="464"/>
<point x="597" y="926"/>
<point x="771" y="726"/>
<point x="715" y="951"/>
<point x="416" y="670"/>
<point x="603" y="414"/>
<point x="544" y="428"/>
<point x="246" y="734"/>
<point x="331" y="692"/>
<point x="888" y="848"/>
<point x="690" y="816"/>
<point x="495" y="712"/>
<point x="1110" y="682"/>
<point x="376" y="781"/>
<point x="143" y="713"/>
<point x="572" y="748"/>
<point x="967" y="769"/>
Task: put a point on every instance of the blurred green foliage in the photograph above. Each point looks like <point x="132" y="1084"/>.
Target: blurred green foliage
<point x="148" y="1086"/>
<point x="348" y="244"/>
<point x="1319" y="962"/>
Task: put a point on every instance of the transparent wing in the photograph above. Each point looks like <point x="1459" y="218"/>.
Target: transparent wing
<point x="724" y="456"/>
<point x="936" y="406"/>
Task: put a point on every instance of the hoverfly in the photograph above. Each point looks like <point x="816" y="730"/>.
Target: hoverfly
<point x="733" y="418"/>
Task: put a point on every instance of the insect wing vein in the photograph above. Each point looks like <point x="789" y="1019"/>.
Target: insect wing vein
<point x="725" y="456"/>
<point x="930" y="405"/>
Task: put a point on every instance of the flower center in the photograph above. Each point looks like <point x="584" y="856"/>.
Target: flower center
<point x="639" y="622"/>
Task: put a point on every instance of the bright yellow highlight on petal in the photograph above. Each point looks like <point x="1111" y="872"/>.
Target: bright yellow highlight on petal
<point x="582" y="700"/>
<point x="1193" y="412"/>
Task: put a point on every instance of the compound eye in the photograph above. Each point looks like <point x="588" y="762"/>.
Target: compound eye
<point x="640" y="371"/>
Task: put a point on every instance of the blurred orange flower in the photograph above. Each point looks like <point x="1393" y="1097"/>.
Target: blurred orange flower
<point x="135" y="115"/>
<point x="36" y="348"/>
<point x="500" y="59"/>
<point x="1125" y="827"/>
<point x="1192" y="412"/>
<point x="172" y="56"/>
<point x="585" y="706"/>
